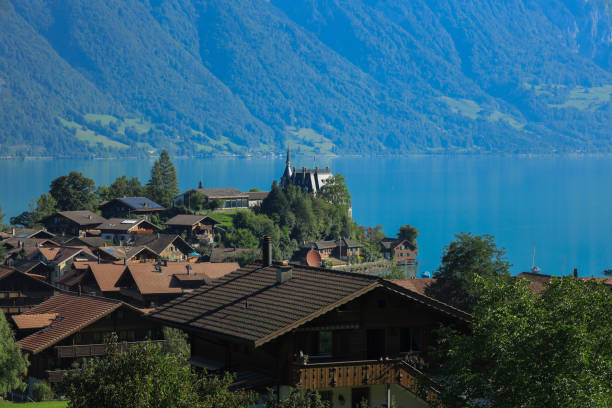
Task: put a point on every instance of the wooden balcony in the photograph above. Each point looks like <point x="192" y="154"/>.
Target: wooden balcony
<point x="362" y="373"/>
<point x="55" y="376"/>
<point x="11" y="310"/>
<point x="93" y="350"/>
<point x="11" y="295"/>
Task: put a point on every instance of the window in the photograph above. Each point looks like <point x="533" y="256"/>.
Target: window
<point x="410" y="339"/>
<point x="325" y="343"/>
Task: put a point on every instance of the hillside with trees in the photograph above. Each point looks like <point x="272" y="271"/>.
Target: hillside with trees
<point x="213" y="77"/>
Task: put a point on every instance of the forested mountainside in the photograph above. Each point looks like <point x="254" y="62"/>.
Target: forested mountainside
<point x="200" y="77"/>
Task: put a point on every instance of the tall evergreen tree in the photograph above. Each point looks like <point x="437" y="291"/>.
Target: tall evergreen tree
<point x="74" y="192"/>
<point x="13" y="364"/>
<point x="163" y="186"/>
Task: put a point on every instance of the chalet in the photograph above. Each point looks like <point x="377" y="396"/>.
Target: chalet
<point x="229" y="197"/>
<point x="60" y="331"/>
<point x="76" y="223"/>
<point x="309" y="180"/>
<point x="400" y="250"/>
<point x="195" y="227"/>
<point x="148" y="285"/>
<point x="93" y="278"/>
<point x="20" y="249"/>
<point x="123" y="230"/>
<point x="168" y="247"/>
<point x="352" y="337"/>
<point x="339" y="248"/>
<point x="89" y="242"/>
<point x="34" y="268"/>
<point x="59" y="259"/>
<point x="256" y="197"/>
<point x="19" y="291"/>
<point x="130" y="207"/>
<point x="38" y="233"/>
<point x="123" y="254"/>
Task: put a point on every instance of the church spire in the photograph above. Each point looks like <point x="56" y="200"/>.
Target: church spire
<point x="286" y="179"/>
<point x="288" y="162"/>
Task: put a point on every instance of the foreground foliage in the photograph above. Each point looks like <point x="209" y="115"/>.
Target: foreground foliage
<point x="13" y="364"/>
<point x="146" y="377"/>
<point x="526" y="350"/>
<point x="297" y="398"/>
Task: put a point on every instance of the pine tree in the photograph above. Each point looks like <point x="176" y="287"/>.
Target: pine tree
<point x="163" y="186"/>
<point x="13" y="364"/>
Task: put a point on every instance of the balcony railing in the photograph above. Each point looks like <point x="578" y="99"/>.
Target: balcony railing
<point x="365" y="372"/>
<point x="11" y="295"/>
<point x="55" y="376"/>
<point x="7" y="309"/>
<point x="93" y="350"/>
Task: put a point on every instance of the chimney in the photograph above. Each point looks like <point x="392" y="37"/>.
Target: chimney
<point x="188" y="269"/>
<point x="98" y="257"/>
<point x="13" y="231"/>
<point x="124" y="261"/>
<point x="284" y="273"/>
<point x="575" y="272"/>
<point x="267" y="251"/>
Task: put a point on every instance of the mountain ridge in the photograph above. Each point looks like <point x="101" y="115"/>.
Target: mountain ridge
<point x="202" y="77"/>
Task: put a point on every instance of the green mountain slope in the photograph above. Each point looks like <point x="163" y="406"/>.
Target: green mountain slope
<point x="206" y="77"/>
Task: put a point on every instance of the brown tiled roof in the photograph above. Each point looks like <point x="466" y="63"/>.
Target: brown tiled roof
<point x="25" y="233"/>
<point x="33" y="321"/>
<point x="127" y="253"/>
<point x="154" y="279"/>
<point x="539" y="282"/>
<point x="188" y="220"/>
<point x="90" y="242"/>
<point x="389" y="243"/>
<point x="221" y="192"/>
<point x="82" y="218"/>
<point x="415" y="285"/>
<point x="58" y="255"/>
<point x="6" y="271"/>
<point x="123" y="224"/>
<point x="106" y="275"/>
<point x="72" y="278"/>
<point x="159" y="242"/>
<point x="257" y="195"/>
<point x="74" y="312"/>
<point x="29" y="242"/>
<point x="221" y="254"/>
<point x="250" y="305"/>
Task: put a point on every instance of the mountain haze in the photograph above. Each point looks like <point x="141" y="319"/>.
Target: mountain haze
<point x="353" y="76"/>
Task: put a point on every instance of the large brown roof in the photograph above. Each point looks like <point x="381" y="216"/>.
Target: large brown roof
<point x="106" y="275"/>
<point x="33" y="321"/>
<point x="154" y="279"/>
<point x="250" y="305"/>
<point x="123" y="224"/>
<point x="188" y="220"/>
<point x="82" y="217"/>
<point x="29" y="242"/>
<point x="74" y="312"/>
<point x="58" y="255"/>
<point x="159" y="242"/>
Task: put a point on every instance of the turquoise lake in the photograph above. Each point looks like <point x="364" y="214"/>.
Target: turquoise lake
<point x="561" y="205"/>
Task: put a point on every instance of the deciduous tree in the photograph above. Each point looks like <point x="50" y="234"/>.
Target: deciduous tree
<point x="409" y="233"/>
<point x="335" y="192"/>
<point x="464" y="260"/>
<point x="74" y="192"/>
<point x="13" y="364"/>
<point x="297" y="398"/>
<point x="526" y="350"/>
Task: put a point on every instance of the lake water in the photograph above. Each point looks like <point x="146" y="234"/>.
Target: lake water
<point x="559" y="204"/>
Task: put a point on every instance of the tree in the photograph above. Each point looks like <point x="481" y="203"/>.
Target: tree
<point x="46" y="205"/>
<point x="297" y="398"/>
<point x="163" y="185"/>
<point x="409" y="233"/>
<point x="335" y="192"/>
<point x="2" y="225"/>
<point x="13" y="364"/>
<point x="528" y="350"/>
<point x="74" y="192"/>
<point x="146" y="377"/>
<point x="122" y="187"/>
<point x="465" y="259"/>
<point x="25" y="219"/>
<point x="176" y="343"/>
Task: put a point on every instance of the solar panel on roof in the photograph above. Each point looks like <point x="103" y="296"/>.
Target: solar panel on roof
<point x="22" y="235"/>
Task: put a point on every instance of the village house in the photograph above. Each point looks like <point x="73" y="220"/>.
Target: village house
<point x="59" y="259"/>
<point x="67" y="327"/>
<point x="339" y="248"/>
<point x="76" y="223"/>
<point x="256" y="197"/>
<point x="20" y="291"/>
<point x="122" y="230"/>
<point x="36" y="233"/>
<point x="399" y="250"/>
<point x="195" y="227"/>
<point x="93" y="278"/>
<point x="130" y="207"/>
<point x="351" y="337"/>
<point x="228" y="197"/>
<point x="169" y="247"/>
<point x="126" y="254"/>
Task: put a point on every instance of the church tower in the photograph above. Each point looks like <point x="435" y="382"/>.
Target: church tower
<point x="288" y="174"/>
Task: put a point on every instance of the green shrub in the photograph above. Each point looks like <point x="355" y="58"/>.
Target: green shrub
<point x="41" y="391"/>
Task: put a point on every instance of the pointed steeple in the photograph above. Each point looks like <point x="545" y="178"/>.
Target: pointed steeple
<point x="287" y="174"/>
<point x="288" y="161"/>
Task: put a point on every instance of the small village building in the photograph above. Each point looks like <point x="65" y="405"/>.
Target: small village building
<point x="130" y="207"/>
<point x="195" y="227"/>
<point x="309" y="180"/>
<point x="121" y="230"/>
<point x="20" y="291"/>
<point x="256" y="197"/>
<point x="400" y="250"/>
<point x="339" y="248"/>
<point x="76" y="223"/>
<point x="127" y="254"/>
<point x="348" y="336"/>
<point x="93" y="278"/>
<point x="149" y="285"/>
<point x="68" y="327"/>
<point x="60" y="259"/>
<point x="168" y="247"/>
<point x="228" y="197"/>
<point x="37" y="233"/>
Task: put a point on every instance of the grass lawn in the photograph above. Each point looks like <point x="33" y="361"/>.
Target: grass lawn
<point x="45" y="404"/>
<point x="225" y="217"/>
